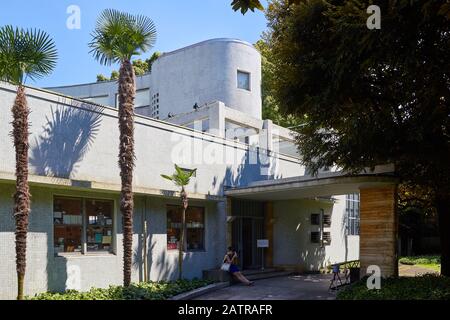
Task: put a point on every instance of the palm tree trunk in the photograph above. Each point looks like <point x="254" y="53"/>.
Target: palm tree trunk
<point x="184" y="201"/>
<point x="127" y="92"/>
<point x="20" y="113"/>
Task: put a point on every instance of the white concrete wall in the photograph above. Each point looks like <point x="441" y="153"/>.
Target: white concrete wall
<point x="201" y="73"/>
<point x="292" y="230"/>
<point x="206" y="72"/>
<point x="75" y="140"/>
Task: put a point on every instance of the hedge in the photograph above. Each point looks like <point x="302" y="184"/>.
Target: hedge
<point x="141" y="291"/>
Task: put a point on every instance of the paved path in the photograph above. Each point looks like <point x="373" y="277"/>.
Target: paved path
<point x="303" y="287"/>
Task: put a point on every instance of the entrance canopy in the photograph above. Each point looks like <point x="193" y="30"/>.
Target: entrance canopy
<point x="323" y="185"/>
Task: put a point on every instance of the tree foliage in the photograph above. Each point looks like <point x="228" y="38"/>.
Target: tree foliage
<point x="25" y="53"/>
<point x="245" y="5"/>
<point x="118" y="36"/>
<point x="370" y="96"/>
<point x="140" y="67"/>
<point x="270" y="107"/>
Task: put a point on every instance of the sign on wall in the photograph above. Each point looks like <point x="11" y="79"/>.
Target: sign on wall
<point x="262" y="243"/>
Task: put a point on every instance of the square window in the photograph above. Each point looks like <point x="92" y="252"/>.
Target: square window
<point x="326" y="238"/>
<point x="243" y="80"/>
<point x="326" y="220"/>
<point x="315" y="237"/>
<point x="315" y="219"/>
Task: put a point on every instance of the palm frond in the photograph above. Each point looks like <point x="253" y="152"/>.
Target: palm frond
<point x="23" y="53"/>
<point x="181" y="177"/>
<point x="118" y="36"/>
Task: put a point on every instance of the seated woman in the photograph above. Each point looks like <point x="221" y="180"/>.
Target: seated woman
<point x="231" y="258"/>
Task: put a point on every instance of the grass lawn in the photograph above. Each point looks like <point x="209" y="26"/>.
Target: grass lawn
<point x="139" y="291"/>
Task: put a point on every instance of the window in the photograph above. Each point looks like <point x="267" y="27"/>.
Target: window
<point x="99" y="217"/>
<point x="326" y="238"/>
<point x="315" y="237"/>
<point x="326" y="221"/>
<point x="68" y="224"/>
<point x="315" y="219"/>
<point x="82" y="225"/>
<point x="195" y="228"/>
<point x="352" y="213"/>
<point x="243" y="80"/>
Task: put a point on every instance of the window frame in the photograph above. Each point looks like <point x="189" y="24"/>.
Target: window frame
<point x="352" y="214"/>
<point x="84" y="225"/>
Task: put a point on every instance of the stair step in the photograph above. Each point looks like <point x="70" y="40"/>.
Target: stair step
<point x="266" y="275"/>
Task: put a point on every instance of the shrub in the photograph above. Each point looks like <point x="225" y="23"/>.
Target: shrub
<point x="137" y="291"/>
<point x="426" y="287"/>
<point x="420" y="260"/>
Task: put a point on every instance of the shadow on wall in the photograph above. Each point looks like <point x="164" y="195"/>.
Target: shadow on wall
<point x="313" y="259"/>
<point x="255" y="166"/>
<point x="65" y="139"/>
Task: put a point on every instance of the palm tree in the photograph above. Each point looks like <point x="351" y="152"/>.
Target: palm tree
<point x="181" y="178"/>
<point x="117" y="37"/>
<point x="23" y="54"/>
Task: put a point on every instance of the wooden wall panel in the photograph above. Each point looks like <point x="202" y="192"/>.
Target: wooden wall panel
<point x="378" y="230"/>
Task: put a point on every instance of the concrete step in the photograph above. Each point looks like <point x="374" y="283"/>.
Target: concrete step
<point x="267" y="275"/>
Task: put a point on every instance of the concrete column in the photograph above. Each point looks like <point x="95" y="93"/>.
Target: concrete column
<point x="228" y="224"/>
<point x="378" y="229"/>
<point x="266" y="141"/>
<point x="268" y="227"/>
<point x="216" y="115"/>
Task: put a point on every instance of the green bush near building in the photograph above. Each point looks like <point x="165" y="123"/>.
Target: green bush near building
<point x="140" y="291"/>
<point x="426" y="287"/>
<point x="420" y="260"/>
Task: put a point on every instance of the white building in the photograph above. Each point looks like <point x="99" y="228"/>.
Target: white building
<point x="249" y="184"/>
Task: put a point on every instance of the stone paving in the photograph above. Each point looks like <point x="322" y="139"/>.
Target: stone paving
<point x="301" y="287"/>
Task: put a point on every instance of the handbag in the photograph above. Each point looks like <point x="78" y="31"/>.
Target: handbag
<point x="225" y="267"/>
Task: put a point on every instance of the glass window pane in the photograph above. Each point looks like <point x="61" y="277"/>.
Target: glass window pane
<point x="173" y="227"/>
<point x="243" y="79"/>
<point x="67" y="222"/>
<point x="99" y="218"/>
<point x="195" y="228"/>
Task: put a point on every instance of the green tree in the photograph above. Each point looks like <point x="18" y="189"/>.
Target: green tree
<point x="118" y="37"/>
<point x="270" y="107"/>
<point x="140" y="68"/>
<point x="115" y="75"/>
<point x="23" y="54"/>
<point x="181" y="178"/>
<point x="101" y="78"/>
<point x="152" y="59"/>
<point x="370" y="96"/>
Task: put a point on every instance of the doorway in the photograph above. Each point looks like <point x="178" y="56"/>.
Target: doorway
<point x="247" y="227"/>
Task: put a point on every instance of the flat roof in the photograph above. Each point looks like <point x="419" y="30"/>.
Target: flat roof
<point x="322" y="185"/>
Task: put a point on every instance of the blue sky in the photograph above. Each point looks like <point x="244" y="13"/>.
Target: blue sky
<point x="179" y="23"/>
